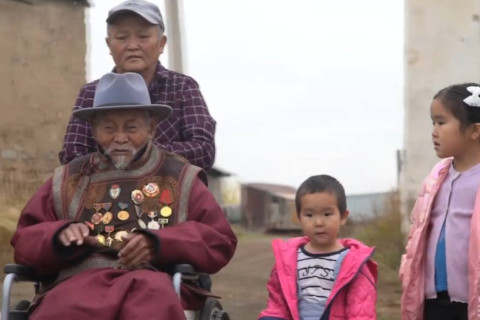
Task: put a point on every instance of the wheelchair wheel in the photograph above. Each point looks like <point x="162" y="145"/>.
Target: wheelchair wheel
<point x="212" y="310"/>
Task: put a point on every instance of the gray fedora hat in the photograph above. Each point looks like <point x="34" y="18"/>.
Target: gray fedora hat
<point x="123" y="91"/>
<point x="144" y="9"/>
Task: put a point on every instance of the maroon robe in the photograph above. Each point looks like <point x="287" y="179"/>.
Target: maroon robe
<point x="204" y="240"/>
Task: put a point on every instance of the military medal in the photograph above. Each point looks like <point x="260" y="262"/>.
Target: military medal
<point x="137" y="197"/>
<point x="162" y="222"/>
<point x="101" y="239"/>
<point x="138" y="211"/>
<point x="153" y="224"/>
<point x="123" y="215"/>
<point x="109" y="239"/>
<point x="166" y="211"/>
<point x="97" y="216"/>
<point x="166" y="199"/>
<point x="114" y="191"/>
<point x="107" y="217"/>
<point x="119" y="235"/>
<point x="151" y="190"/>
<point x="142" y="224"/>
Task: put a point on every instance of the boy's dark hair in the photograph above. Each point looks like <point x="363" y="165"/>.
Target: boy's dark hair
<point x="452" y="98"/>
<point x="322" y="183"/>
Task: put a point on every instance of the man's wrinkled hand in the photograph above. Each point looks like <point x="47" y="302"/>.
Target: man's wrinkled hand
<point x="137" y="250"/>
<point x="78" y="234"/>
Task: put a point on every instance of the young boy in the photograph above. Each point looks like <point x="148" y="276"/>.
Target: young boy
<point x="319" y="276"/>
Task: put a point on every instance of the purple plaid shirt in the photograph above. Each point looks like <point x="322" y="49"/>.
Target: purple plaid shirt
<point x="189" y="131"/>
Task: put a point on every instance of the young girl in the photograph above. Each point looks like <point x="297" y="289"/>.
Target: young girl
<point x="318" y="276"/>
<point x="440" y="271"/>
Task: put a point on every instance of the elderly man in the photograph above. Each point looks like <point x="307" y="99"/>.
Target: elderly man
<point x="108" y="227"/>
<point x="136" y="39"/>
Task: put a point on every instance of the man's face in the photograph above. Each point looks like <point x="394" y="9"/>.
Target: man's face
<point x="121" y="134"/>
<point x="135" y="44"/>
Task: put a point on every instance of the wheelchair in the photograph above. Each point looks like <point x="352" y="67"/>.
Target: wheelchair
<point x="212" y="309"/>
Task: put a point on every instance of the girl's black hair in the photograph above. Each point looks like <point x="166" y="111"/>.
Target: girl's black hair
<point x="452" y="98"/>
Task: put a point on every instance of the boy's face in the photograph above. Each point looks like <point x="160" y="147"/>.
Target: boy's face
<point x="321" y="219"/>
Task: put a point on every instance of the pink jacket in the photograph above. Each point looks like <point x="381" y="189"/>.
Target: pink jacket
<point x="353" y="295"/>
<point x="412" y="268"/>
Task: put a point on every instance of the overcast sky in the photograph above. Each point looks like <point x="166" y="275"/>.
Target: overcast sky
<point x="297" y="88"/>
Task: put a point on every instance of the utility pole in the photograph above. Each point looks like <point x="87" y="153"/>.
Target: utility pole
<point x="176" y="35"/>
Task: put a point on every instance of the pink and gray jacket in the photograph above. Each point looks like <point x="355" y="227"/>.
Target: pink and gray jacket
<point x="353" y="295"/>
<point x="412" y="268"/>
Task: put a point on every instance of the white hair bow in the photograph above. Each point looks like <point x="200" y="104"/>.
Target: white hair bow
<point x="474" y="99"/>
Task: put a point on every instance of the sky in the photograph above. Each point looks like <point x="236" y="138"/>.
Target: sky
<point x="297" y="88"/>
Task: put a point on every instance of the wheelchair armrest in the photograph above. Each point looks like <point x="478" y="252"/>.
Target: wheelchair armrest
<point x="23" y="272"/>
<point x="186" y="269"/>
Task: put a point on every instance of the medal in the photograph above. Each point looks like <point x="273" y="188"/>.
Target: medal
<point x="162" y="222"/>
<point x="153" y="224"/>
<point x="101" y="239"/>
<point x="166" y="211"/>
<point x="138" y="211"/>
<point x="107" y="217"/>
<point x="97" y="216"/>
<point x="119" y="235"/>
<point x="137" y="196"/>
<point x="142" y="224"/>
<point x="109" y="239"/>
<point x="165" y="197"/>
<point x="151" y="190"/>
<point x="123" y="215"/>
<point x="114" y="191"/>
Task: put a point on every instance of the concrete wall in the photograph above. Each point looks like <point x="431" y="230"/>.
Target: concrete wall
<point x="42" y="68"/>
<point x="442" y="43"/>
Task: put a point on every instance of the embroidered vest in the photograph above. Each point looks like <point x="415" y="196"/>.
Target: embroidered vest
<point x="112" y="202"/>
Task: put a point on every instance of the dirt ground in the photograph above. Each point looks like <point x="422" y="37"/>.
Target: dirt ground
<point x="242" y="284"/>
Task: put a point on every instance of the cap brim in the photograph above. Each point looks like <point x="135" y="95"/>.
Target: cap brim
<point x="159" y="111"/>
<point x="118" y="13"/>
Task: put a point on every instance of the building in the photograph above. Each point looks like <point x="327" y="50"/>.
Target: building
<point x="43" y="68"/>
<point x="442" y="47"/>
<point x="269" y="207"/>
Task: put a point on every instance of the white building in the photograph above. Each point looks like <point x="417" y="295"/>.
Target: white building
<point x="442" y="47"/>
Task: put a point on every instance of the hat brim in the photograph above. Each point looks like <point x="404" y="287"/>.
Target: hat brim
<point x="159" y="111"/>
<point x="115" y="15"/>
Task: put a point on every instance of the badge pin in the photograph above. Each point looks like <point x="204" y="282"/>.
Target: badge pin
<point x="151" y="190"/>
<point x="162" y="222"/>
<point x="115" y="191"/>
<point x="137" y="197"/>
<point x="120" y="234"/>
<point x="101" y="239"/>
